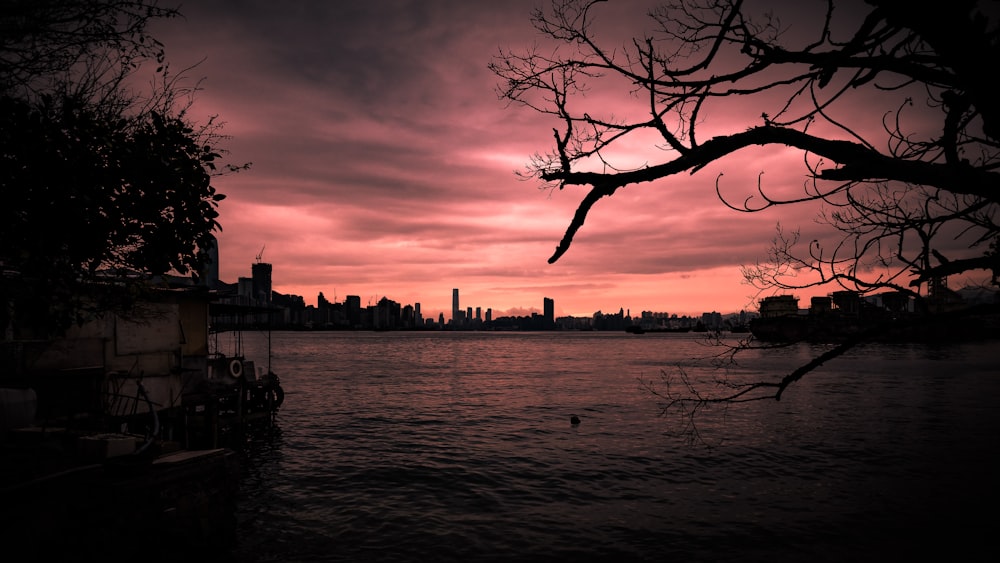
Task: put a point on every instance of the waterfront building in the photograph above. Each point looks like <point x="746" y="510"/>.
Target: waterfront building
<point x="820" y="305"/>
<point x="779" y="306"/>
<point x="261" y="275"/>
<point x="352" y="306"/>
<point x="711" y="321"/>
<point x="244" y="290"/>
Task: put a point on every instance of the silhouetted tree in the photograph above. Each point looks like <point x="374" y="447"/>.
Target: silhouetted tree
<point x="911" y="199"/>
<point x="96" y="177"/>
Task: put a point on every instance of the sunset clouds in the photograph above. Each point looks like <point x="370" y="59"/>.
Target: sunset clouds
<point x="383" y="165"/>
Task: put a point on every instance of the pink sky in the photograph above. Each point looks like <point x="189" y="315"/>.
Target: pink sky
<point x="383" y="165"/>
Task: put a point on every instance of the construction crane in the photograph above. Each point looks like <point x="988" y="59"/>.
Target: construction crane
<point x="261" y="253"/>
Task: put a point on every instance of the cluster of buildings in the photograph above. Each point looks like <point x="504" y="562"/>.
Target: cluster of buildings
<point x="779" y="317"/>
<point x="892" y="315"/>
<point x="291" y="312"/>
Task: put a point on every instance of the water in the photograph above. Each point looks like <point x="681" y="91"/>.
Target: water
<point x="459" y="447"/>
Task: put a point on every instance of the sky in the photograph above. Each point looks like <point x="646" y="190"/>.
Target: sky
<point x="383" y="165"/>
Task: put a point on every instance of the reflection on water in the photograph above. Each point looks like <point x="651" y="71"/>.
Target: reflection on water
<point x="459" y="447"/>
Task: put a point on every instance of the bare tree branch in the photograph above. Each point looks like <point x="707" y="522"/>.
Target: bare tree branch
<point x="894" y="199"/>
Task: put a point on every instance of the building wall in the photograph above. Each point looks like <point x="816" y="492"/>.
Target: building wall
<point x="155" y="346"/>
<point x="779" y="306"/>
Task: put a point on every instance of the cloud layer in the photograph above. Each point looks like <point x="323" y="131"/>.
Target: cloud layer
<point x="383" y="165"/>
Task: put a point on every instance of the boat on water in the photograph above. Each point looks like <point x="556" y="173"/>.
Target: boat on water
<point x="232" y="394"/>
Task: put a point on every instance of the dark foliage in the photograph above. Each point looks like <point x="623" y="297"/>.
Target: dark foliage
<point x="98" y="183"/>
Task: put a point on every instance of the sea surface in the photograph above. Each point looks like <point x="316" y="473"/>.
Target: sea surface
<point x="459" y="446"/>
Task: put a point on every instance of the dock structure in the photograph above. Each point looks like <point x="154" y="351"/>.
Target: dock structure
<point x="116" y="438"/>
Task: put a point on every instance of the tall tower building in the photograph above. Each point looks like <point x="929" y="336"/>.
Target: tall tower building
<point x="549" y="310"/>
<point x="352" y="306"/>
<point x="261" y="275"/>
<point x="454" y="305"/>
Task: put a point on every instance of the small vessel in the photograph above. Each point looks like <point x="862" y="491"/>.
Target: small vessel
<point x="232" y="395"/>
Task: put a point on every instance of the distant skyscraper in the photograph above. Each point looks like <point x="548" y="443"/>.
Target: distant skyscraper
<point x="261" y="274"/>
<point x="454" y="305"/>
<point x="352" y="306"/>
<point x="244" y="288"/>
<point x="550" y="310"/>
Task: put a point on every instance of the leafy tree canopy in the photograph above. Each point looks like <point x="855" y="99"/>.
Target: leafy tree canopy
<point x="95" y="177"/>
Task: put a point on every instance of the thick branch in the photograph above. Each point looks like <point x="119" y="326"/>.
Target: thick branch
<point x="580" y="216"/>
<point x="988" y="262"/>
<point x="858" y="163"/>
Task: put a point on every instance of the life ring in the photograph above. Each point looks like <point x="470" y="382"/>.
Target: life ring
<point x="236" y="368"/>
<point x="277" y="394"/>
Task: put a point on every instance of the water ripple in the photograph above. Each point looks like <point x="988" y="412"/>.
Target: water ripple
<point x="459" y="447"/>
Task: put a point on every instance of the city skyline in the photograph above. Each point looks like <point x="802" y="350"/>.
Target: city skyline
<point x="478" y="312"/>
<point x="258" y="287"/>
<point x="260" y="284"/>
